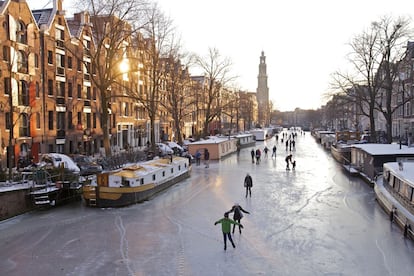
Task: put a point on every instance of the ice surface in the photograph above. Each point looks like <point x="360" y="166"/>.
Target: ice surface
<point x="314" y="220"/>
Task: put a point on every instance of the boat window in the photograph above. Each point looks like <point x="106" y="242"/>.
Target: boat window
<point x="397" y="184"/>
<point x="172" y="170"/>
<point x="142" y="181"/>
<point x="179" y="167"/>
<point x="153" y="177"/>
<point x="163" y="173"/>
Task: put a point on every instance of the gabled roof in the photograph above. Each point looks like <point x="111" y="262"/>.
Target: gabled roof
<point x="43" y="17"/>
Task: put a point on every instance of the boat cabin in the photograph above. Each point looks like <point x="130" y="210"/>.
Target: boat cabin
<point x="368" y="159"/>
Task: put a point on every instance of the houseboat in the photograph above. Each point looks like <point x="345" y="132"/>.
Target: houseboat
<point x="54" y="180"/>
<point x="245" y="140"/>
<point x="262" y="134"/>
<point x="394" y="190"/>
<point x="368" y="159"/>
<point x="219" y="147"/>
<point x="135" y="183"/>
<point x="341" y="148"/>
<point x="47" y="190"/>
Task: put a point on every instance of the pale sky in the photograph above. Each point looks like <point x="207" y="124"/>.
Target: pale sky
<point x="304" y="41"/>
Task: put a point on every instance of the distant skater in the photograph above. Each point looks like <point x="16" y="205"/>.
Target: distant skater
<point x="238" y="214"/>
<point x="288" y="160"/>
<point x="226" y="227"/>
<point x="207" y="158"/>
<point x="266" y="150"/>
<point x="252" y="154"/>
<point x="258" y="155"/>
<point x="248" y="184"/>
<point x="274" y="151"/>
<point x="294" y="165"/>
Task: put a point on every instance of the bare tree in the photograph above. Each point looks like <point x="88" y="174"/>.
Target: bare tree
<point x="158" y="33"/>
<point x="114" y="22"/>
<point x="217" y="70"/>
<point x="393" y="34"/>
<point x="178" y="87"/>
<point x="375" y="63"/>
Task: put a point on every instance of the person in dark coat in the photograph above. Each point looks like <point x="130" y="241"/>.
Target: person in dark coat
<point x="248" y="184"/>
<point x="252" y="154"/>
<point x="238" y="214"/>
<point x="207" y="157"/>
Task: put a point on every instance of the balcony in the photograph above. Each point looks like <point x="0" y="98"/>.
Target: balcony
<point x="60" y="71"/>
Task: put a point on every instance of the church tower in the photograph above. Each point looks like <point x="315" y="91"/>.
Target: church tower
<point x="262" y="93"/>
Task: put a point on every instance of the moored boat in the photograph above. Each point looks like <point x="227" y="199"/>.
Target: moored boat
<point x="136" y="183"/>
<point x="394" y="190"/>
<point x="341" y="152"/>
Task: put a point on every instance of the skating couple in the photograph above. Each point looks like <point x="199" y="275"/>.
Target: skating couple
<point x="226" y="223"/>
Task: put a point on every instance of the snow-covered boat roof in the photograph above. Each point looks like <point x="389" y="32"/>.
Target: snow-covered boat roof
<point x="406" y="174"/>
<point x="385" y="149"/>
<point x="212" y="140"/>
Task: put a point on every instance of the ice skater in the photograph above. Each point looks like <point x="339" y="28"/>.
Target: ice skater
<point x="274" y="151"/>
<point x="294" y="165"/>
<point x="226" y="227"/>
<point x="288" y="160"/>
<point x="238" y="214"/>
<point x="248" y="184"/>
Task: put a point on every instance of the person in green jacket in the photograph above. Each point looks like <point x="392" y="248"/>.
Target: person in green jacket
<point x="226" y="227"/>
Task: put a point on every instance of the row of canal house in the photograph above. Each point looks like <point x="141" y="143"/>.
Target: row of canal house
<point x="48" y="101"/>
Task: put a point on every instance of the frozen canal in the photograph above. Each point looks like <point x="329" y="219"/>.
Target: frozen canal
<point x="312" y="221"/>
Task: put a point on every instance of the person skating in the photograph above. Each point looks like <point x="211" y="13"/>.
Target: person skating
<point x="226" y="227"/>
<point x="294" y="165"/>
<point x="248" y="184"/>
<point x="207" y="158"/>
<point x="266" y="150"/>
<point x="274" y="151"/>
<point x="258" y="155"/>
<point x="238" y="214"/>
<point x="252" y="154"/>
<point x="288" y="160"/>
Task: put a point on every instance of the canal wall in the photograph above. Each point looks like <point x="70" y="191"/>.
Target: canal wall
<point x="14" y="202"/>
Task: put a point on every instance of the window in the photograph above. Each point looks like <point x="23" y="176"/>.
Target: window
<point x="21" y="33"/>
<point x="60" y="123"/>
<point x="70" y="89"/>
<point x="60" y="60"/>
<point x="23" y="93"/>
<point x="36" y="60"/>
<point x="37" y="89"/>
<point x="8" y="120"/>
<point x="22" y="64"/>
<point x="50" y="120"/>
<point x="79" y="118"/>
<point x="94" y="120"/>
<point x="24" y="128"/>
<point x="88" y="120"/>
<point x="60" y="89"/>
<point x="38" y="120"/>
<point x="50" y="87"/>
<point x="79" y="65"/>
<point x="6" y="53"/>
<point x="70" y="62"/>
<point x="79" y="91"/>
<point x="7" y="86"/>
<point x="70" y="122"/>
<point x="50" y="57"/>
